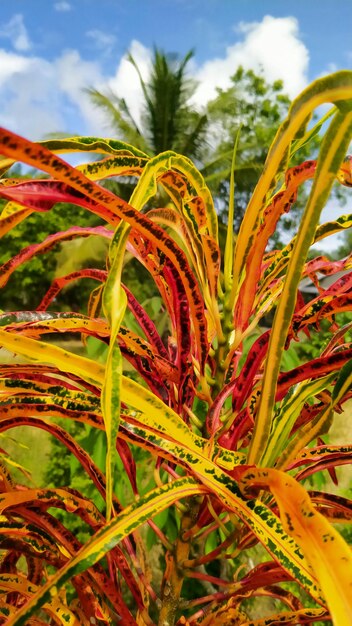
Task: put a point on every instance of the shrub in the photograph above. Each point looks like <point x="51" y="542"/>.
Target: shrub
<point x="215" y="442"/>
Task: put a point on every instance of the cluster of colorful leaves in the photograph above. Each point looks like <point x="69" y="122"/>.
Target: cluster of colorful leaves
<point x="222" y="426"/>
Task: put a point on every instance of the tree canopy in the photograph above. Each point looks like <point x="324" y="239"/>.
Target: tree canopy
<point x="250" y="106"/>
<point x="253" y="108"/>
<point x="169" y="122"/>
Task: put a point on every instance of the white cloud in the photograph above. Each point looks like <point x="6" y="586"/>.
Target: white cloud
<point x="16" y="32"/>
<point x="38" y="97"/>
<point x="28" y="97"/>
<point x="272" y="45"/>
<point x="62" y="7"/>
<point x="126" y="83"/>
<point x="101" y="40"/>
<point x="73" y="75"/>
<point x="10" y="65"/>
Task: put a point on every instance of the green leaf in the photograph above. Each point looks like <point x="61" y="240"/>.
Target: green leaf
<point x="114" y="306"/>
<point x="332" y="152"/>
<point x="108" y="537"/>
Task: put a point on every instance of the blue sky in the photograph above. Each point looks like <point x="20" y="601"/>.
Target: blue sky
<point x="51" y="49"/>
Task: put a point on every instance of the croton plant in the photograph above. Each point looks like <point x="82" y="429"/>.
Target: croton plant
<point x="225" y="434"/>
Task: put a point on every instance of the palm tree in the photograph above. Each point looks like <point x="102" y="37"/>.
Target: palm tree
<point x="168" y="120"/>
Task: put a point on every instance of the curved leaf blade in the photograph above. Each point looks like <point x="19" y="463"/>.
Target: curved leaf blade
<point x="104" y="540"/>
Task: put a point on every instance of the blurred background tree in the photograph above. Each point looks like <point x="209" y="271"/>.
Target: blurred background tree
<point x="168" y="121"/>
<point x="254" y="109"/>
<point x="28" y="284"/>
<point x="346" y="245"/>
<point x="250" y="106"/>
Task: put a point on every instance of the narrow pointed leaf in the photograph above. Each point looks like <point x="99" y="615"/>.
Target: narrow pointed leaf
<point x="324" y="548"/>
<point x="108" y="537"/>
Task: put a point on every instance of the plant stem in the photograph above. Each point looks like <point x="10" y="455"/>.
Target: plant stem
<point x="174" y="573"/>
